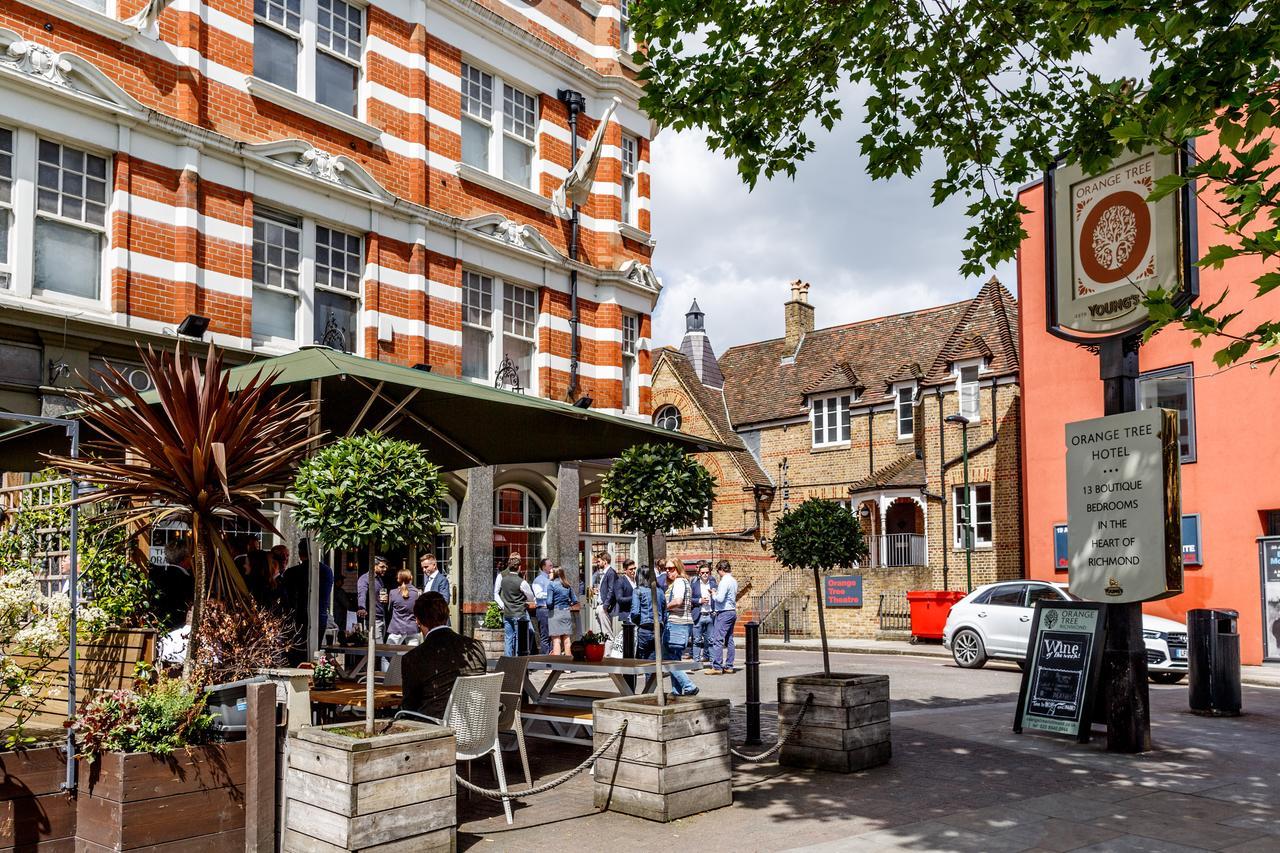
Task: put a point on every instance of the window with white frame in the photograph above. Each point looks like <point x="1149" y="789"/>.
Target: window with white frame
<point x="339" y="267"/>
<point x="830" y="418"/>
<point x="519" y="329"/>
<point x="1173" y="388"/>
<point x="967" y="388"/>
<point x="498" y="135"/>
<point x="312" y="47"/>
<point x="70" y="220"/>
<point x="516" y="315"/>
<point x="624" y="26"/>
<point x="977" y="514"/>
<point x="628" y="178"/>
<point x="477" y="324"/>
<point x="904" y="400"/>
<point x="704" y="524"/>
<point x="630" y="329"/>
<point x="277" y="268"/>
<point x="6" y="206"/>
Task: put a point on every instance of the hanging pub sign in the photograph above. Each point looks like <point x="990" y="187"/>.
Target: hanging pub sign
<point x="1060" y="679"/>
<point x="1124" y="519"/>
<point x="1106" y="245"/>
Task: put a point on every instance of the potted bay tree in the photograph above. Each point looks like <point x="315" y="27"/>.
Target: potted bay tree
<point x="652" y="488"/>
<point x="846" y="726"/>
<point x="345" y="784"/>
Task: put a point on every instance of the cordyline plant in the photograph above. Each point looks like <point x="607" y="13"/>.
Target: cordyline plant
<point x="655" y="487"/>
<point x="368" y="492"/>
<point x="818" y="535"/>
<point x="202" y="452"/>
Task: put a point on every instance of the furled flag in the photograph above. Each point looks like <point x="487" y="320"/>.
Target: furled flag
<point x="576" y="188"/>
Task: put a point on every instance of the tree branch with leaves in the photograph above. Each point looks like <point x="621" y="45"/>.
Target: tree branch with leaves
<point x="999" y="90"/>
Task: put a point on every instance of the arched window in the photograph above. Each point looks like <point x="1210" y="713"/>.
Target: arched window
<point x="519" y="522"/>
<point x="667" y="417"/>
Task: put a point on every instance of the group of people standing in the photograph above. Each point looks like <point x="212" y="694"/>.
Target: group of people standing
<point x="549" y="599"/>
<point x="691" y="617"/>
<point x="394" y="620"/>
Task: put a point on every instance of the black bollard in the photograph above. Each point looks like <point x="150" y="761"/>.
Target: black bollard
<point x="753" y="683"/>
<point x="522" y="638"/>
<point x="786" y="626"/>
<point x="629" y="648"/>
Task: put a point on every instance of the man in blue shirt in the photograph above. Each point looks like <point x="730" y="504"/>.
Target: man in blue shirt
<point x="724" y="603"/>
<point x="541" y="589"/>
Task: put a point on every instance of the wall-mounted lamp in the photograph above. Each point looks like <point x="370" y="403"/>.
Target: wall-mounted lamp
<point x="193" y="326"/>
<point x="583" y="403"/>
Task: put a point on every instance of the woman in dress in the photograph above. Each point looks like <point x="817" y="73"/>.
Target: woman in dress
<point x="403" y="629"/>
<point x="560" y="598"/>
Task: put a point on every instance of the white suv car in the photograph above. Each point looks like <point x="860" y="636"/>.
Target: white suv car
<point x="994" y="622"/>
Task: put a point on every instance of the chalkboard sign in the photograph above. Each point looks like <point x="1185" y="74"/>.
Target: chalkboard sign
<point x="1061" y="675"/>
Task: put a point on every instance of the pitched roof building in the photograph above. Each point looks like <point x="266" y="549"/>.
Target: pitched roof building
<point x="858" y="414"/>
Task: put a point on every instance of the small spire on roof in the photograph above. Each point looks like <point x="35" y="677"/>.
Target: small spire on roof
<point x="693" y="318"/>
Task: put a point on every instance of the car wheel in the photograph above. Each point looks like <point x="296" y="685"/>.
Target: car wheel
<point x="1166" y="677"/>
<point x="967" y="649"/>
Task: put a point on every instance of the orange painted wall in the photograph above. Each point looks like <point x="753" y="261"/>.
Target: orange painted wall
<point x="1236" y="475"/>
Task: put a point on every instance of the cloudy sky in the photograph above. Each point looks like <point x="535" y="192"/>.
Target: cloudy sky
<point x="868" y="248"/>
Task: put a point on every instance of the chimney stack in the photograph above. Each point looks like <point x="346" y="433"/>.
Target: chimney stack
<point x="799" y="314"/>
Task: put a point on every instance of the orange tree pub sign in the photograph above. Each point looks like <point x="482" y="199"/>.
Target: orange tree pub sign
<point x="1107" y="245"/>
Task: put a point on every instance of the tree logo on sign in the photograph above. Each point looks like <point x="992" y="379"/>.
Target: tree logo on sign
<point x="1115" y="237"/>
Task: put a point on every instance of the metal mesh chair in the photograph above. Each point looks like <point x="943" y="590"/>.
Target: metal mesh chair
<point x="513" y="672"/>
<point x="474" y="706"/>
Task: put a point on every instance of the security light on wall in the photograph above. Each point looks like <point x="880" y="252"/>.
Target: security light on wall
<point x="193" y="326"/>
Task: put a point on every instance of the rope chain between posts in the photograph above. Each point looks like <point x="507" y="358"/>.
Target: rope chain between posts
<point x="547" y="786"/>
<point x="782" y="741"/>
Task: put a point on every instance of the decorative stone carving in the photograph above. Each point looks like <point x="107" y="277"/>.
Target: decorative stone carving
<point x="333" y="168"/>
<point x="642" y="274"/>
<point x="518" y="234"/>
<point x="322" y="164"/>
<point x="64" y="70"/>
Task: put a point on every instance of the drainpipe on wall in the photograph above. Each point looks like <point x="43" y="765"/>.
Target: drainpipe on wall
<point x="575" y="103"/>
<point x="942" y="482"/>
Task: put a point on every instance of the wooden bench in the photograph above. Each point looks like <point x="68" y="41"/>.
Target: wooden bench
<point x="562" y="722"/>
<point x="586" y="693"/>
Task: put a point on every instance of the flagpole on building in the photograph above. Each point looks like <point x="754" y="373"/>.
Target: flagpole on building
<point x="575" y="103"/>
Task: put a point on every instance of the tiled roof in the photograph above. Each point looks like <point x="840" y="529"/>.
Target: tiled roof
<point x="759" y="386"/>
<point x="710" y="402"/>
<point x="903" y="473"/>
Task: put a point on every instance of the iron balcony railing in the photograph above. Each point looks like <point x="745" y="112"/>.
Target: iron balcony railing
<point x="901" y="549"/>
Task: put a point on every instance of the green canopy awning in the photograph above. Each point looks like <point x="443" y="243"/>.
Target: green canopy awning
<point x="461" y="424"/>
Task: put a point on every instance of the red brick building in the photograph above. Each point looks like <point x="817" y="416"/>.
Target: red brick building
<point x="856" y="413"/>
<point x="373" y="176"/>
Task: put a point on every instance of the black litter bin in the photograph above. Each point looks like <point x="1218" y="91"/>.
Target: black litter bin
<point x="1213" y="652"/>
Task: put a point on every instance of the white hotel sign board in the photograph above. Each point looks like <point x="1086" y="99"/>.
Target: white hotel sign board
<point x="1124" y="533"/>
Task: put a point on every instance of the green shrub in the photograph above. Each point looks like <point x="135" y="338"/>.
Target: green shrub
<point x="492" y="616"/>
<point x="157" y="718"/>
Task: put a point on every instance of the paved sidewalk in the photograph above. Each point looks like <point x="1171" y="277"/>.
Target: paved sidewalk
<point x="959" y="780"/>
<point x="1267" y="675"/>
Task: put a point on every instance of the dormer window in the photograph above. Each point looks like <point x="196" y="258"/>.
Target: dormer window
<point x="967" y="389"/>
<point x="904" y="398"/>
<point x="830" y="419"/>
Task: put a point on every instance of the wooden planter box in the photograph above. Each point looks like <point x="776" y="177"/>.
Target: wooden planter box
<point x="35" y="814"/>
<point x="493" y="641"/>
<point x="847" y="727"/>
<point x="672" y="762"/>
<point x="388" y="793"/>
<point x="192" y="801"/>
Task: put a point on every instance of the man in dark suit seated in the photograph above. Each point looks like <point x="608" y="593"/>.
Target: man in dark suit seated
<point x="430" y="668"/>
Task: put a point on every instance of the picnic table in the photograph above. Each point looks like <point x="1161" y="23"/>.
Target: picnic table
<point x="325" y="703"/>
<point x="565" y="715"/>
<point x="361" y="653"/>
